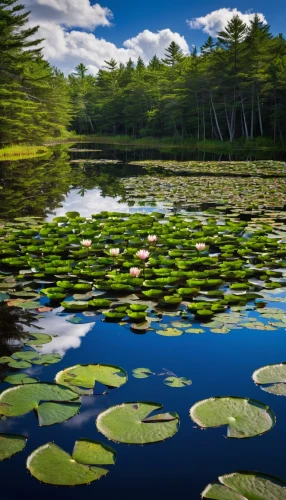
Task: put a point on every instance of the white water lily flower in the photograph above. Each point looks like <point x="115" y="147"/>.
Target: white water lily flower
<point x="86" y="243"/>
<point x="143" y="254"/>
<point x="200" y="246"/>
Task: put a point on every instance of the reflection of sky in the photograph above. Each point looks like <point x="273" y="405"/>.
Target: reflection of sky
<point x="68" y="334"/>
<point x="92" y="202"/>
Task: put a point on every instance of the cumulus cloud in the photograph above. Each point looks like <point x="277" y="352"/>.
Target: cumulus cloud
<point x="66" y="26"/>
<point x="70" y="13"/>
<point x="147" y="43"/>
<point x="217" y="20"/>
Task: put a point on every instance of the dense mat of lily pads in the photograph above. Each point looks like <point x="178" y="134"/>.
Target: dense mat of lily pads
<point x="164" y="274"/>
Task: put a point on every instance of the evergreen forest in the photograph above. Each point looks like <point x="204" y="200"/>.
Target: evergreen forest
<point x="233" y="88"/>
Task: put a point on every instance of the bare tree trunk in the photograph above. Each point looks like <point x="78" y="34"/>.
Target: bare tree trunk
<point x="198" y="112"/>
<point x="215" y="117"/>
<point x="252" y="112"/>
<point x="259" y="114"/>
<point x="244" y="118"/>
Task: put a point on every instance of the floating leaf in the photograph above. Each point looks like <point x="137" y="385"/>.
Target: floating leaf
<point x="274" y="375"/>
<point x="177" y="381"/>
<point x="195" y="330"/>
<point x="10" y="444"/>
<point x="38" y="339"/>
<point x="22" y="399"/>
<point x="52" y="465"/>
<point x="82" y="378"/>
<point x="244" y="417"/>
<point x="170" y="332"/>
<point x="130" y="423"/>
<point x="141" y="372"/>
<point x="246" y="486"/>
<point x="20" y="378"/>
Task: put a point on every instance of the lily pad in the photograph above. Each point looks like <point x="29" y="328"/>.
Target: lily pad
<point x="82" y="378"/>
<point x="244" y="417"/>
<point x="20" y="378"/>
<point x="170" y="332"/>
<point x="38" y="339"/>
<point x="274" y="375"/>
<point x="131" y="423"/>
<point x="50" y="401"/>
<point x="177" y="381"/>
<point x="52" y="465"/>
<point x="141" y="372"/>
<point x="10" y="444"/>
<point x="246" y="486"/>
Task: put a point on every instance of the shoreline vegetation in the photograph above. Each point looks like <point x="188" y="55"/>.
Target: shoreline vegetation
<point x="22" y="151"/>
<point x="258" y="144"/>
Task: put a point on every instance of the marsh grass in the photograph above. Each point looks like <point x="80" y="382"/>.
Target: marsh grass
<point x="21" y="151"/>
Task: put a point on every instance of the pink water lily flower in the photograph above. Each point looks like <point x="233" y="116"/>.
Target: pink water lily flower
<point x="114" y="252"/>
<point x="143" y="254"/>
<point x="86" y="243"/>
<point x="200" y="246"/>
<point x="152" y="238"/>
<point x="135" y="272"/>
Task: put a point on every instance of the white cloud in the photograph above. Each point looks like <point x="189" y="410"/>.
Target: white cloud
<point x="65" y="45"/>
<point x="217" y="20"/>
<point x="147" y="43"/>
<point x="70" y="13"/>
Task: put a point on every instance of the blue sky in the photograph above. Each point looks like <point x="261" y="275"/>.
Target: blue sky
<point x="133" y="16"/>
<point x="91" y="32"/>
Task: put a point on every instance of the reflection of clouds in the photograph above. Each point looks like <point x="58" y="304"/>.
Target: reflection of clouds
<point x="86" y="415"/>
<point x="92" y="202"/>
<point x="69" y="334"/>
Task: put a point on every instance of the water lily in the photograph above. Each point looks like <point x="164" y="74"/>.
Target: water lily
<point x="135" y="272"/>
<point x="200" y="247"/>
<point x="114" y="252"/>
<point x="143" y="254"/>
<point x="86" y="243"/>
<point x="152" y="238"/>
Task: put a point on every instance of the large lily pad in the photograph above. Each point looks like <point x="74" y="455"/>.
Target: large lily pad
<point x="244" y="417"/>
<point x="25" y="359"/>
<point x="131" y="423"/>
<point x="246" y="486"/>
<point x="10" y="444"/>
<point x="82" y="378"/>
<point x="52" y="465"/>
<point x="20" y="378"/>
<point x="53" y="403"/>
<point x="274" y="375"/>
<point x="37" y="339"/>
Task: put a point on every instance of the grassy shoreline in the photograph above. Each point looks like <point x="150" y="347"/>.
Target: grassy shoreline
<point x="260" y="144"/>
<point x="19" y="151"/>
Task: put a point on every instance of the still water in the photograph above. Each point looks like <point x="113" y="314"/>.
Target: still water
<point x="218" y="365"/>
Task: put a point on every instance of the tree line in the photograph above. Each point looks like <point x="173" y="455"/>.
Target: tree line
<point x="233" y="89"/>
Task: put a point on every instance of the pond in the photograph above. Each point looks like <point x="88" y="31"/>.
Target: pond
<point x="219" y="314"/>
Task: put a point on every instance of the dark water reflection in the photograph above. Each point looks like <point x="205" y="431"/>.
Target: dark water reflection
<point x="218" y="365"/>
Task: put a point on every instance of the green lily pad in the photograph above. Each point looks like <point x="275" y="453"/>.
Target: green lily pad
<point x="75" y="305"/>
<point x="10" y="444"/>
<point x="246" y="486"/>
<point x="20" y="378"/>
<point x="274" y="375"/>
<point x="25" y="359"/>
<point x="177" y="381"/>
<point x="244" y="417"/>
<point x="82" y="378"/>
<point x="195" y="330"/>
<point x="54" y="399"/>
<point x="38" y="339"/>
<point x="130" y="423"/>
<point x="52" y="465"/>
<point x="170" y="332"/>
<point x="141" y="372"/>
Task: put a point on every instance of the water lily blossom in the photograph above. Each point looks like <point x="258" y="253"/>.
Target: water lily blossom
<point x="152" y="238"/>
<point x="114" y="252"/>
<point x="135" y="272"/>
<point x="86" y="243"/>
<point x="143" y="254"/>
<point x="200" y="247"/>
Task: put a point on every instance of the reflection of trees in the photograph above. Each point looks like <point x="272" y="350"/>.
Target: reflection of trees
<point x="35" y="186"/>
<point x="13" y="324"/>
<point x="105" y="177"/>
